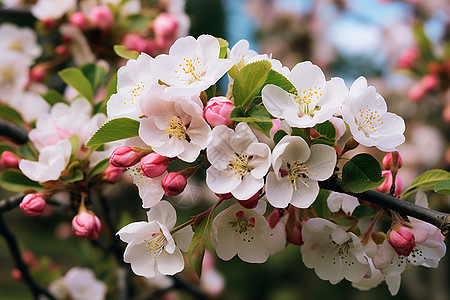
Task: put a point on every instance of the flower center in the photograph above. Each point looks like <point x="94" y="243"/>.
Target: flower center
<point x="134" y="93"/>
<point x="6" y="77"/>
<point x="16" y="46"/>
<point x="189" y="67"/>
<point x="176" y="128"/>
<point x="239" y="165"/>
<point x="156" y="244"/>
<point x="306" y="100"/>
<point x="298" y="172"/>
<point x="368" y="122"/>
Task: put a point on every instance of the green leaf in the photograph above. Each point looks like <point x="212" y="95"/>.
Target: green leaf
<point x="301" y="133"/>
<point x="113" y="130"/>
<point x="111" y="89"/>
<point x="100" y="107"/>
<point x="11" y="114"/>
<point x="27" y="152"/>
<point x="76" y="79"/>
<point x="320" y="205"/>
<point x="223" y="47"/>
<point x="136" y="22"/>
<point x="7" y="147"/>
<point x="98" y="168"/>
<point x="52" y="97"/>
<point x="264" y="127"/>
<point x="124" y="53"/>
<point x="280" y="80"/>
<point x="15" y="181"/>
<point x="426" y="181"/>
<point x="233" y="71"/>
<point x="94" y="73"/>
<point x="253" y="114"/>
<point x="249" y="82"/>
<point x="74" y="142"/>
<point x="76" y="175"/>
<point x="211" y="91"/>
<point x="196" y="250"/>
<point x="361" y="173"/>
<point x="347" y="221"/>
<point x="364" y="212"/>
<point x="442" y="187"/>
<point x="278" y="136"/>
<point x="322" y="140"/>
<point x="326" y="129"/>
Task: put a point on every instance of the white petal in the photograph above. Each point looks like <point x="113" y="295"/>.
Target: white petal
<point x="305" y="75"/>
<point x="128" y="233"/>
<point x="278" y="192"/>
<point x="221" y="182"/>
<point x="183" y="238"/>
<point x="277" y="102"/>
<point x="164" y="213"/>
<point x="248" y="187"/>
<point x="321" y="161"/>
<point x="170" y="264"/>
<point x="141" y="263"/>
<point x="306" y="194"/>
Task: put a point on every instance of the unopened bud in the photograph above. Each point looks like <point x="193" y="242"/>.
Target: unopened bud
<point x="388" y="161"/>
<point x="32" y="205"/>
<point x="124" y="157"/>
<point x="61" y="49"/>
<point x="9" y="160"/>
<point x="16" y="274"/>
<point x="218" y="110"/>
<point x="225" y="196"/>
<point x="385" y="187"/>
<point x="416" y="92"/>
<point x="429" y="82"/>
<point x="154" y="164"/>
<point x="79" y="20"/>
<point x="102" y="17"/>
<point x="402" y="240"/>
<point x="113" y="174"/>
<point x="275" y="217"/>
<point x="86" y="225"/>
<point x="173" y="184"/>
<point x="37" y="73"/>
<point x="49" y="23"/>
<point x="165" y="25"/>
<point x="251" y="202"/>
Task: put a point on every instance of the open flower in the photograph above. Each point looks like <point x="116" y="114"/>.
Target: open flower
<point x="337" y="201"/>
<point x="132" y="80"/>
<point x="296" y="170"/>
<point x="241" y="231"/>
<point x="238" y="162"/>
<point x="52" y="9"/>
<point x="151" y="247"/>
<point x="175" y="126"/>
<point x="150" y="189"/>
<point x="333" y="253"/>
<point x="365" y="112"/>
<point x="23" y="41"/>
<point x="192" y="66"/>
<point x="52" y="161"/>
<point x="313" y="101"/>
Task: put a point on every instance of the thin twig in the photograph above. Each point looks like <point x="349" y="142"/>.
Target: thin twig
<point x="13" y="132"/>
<point x="35" y="288"/>
<point x="439" y="219"/>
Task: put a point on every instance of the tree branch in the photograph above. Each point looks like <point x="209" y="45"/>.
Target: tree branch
<point x="35" y="288"/>
<point x="11" y="202"/>
<point x="14" y="132"/>
<point x="439" y="219"/>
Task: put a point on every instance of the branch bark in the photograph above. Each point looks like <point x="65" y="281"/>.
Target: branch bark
<point x="13" y="132"/>
<point x="439" y="219"/>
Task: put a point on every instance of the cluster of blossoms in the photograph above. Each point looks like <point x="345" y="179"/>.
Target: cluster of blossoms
<point x="269" y="149"/>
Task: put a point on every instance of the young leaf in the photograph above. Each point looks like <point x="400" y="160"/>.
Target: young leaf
<point x="11" y="114"/>
<point x="264" y="127"/>
<point x="76" y="175"/>
<point x="253" y="114"/>
<point x="52" y="97"/>
<point x="76" y="79"/>
<point x="124" y="53"/>
<point x="197" y="247"/>
<point x="278" y="136"/>
<point x="326" y="129"/>
<point x="442" y="187"/>
<point x="113" y="130"/>
<point x="98" y="168"/>
<point x="223" y="47"/>
<point x="136" y="22"/>
<point x="280" y="80"/>
<point x="249" y="82"/>
<point x="15" y="181"/>
<point x="426" y="181"/>
<point x="111" y="89"/>
<point x="211" y="91"/>
<point x="94" y="73"/>
<point x="364" y="212"/>
<point x="361" y="173"/>
<point x="320" y="205"/>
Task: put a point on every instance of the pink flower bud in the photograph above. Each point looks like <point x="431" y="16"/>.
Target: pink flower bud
<point x="251" y="202"/>
<point x="87" y="225"/>
<point x="124" y="157"/>
<point x="153" y="164"/>
<point x="79" y="20"/>
<point x="173" y="184"/>
<point x="276" y="125"/>
<point x="102" y="17"/>
<point x="61" y="49"/>
<point x="416" y="92"/>
<point x="224" y="196"/>
<point x="388" y="160"/>
<point x="218" y="110"/>
<point x="429" y="82"/>
<point x="165" y="25"/>
<point x="113" y="174"/>
<point x="49" y="23"/>
<point x="137" y="43"/>
<point x="408" y="58"/>
<point x="402" y="240"/>
<point x="274" y="217"/>
<point x="37" y="73"/>
<point x="386" y="186"/>
<point x="16" y="274"/>
<point x="32" y="205"/>
<point x="9" y="160"/>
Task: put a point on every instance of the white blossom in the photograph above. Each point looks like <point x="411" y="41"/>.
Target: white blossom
<point x="52" y="9"/>
<point x="337" y="201"/>
<point x="22" y="41"/>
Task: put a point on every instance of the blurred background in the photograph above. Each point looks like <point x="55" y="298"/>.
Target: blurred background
<point x="401" y="47"/>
